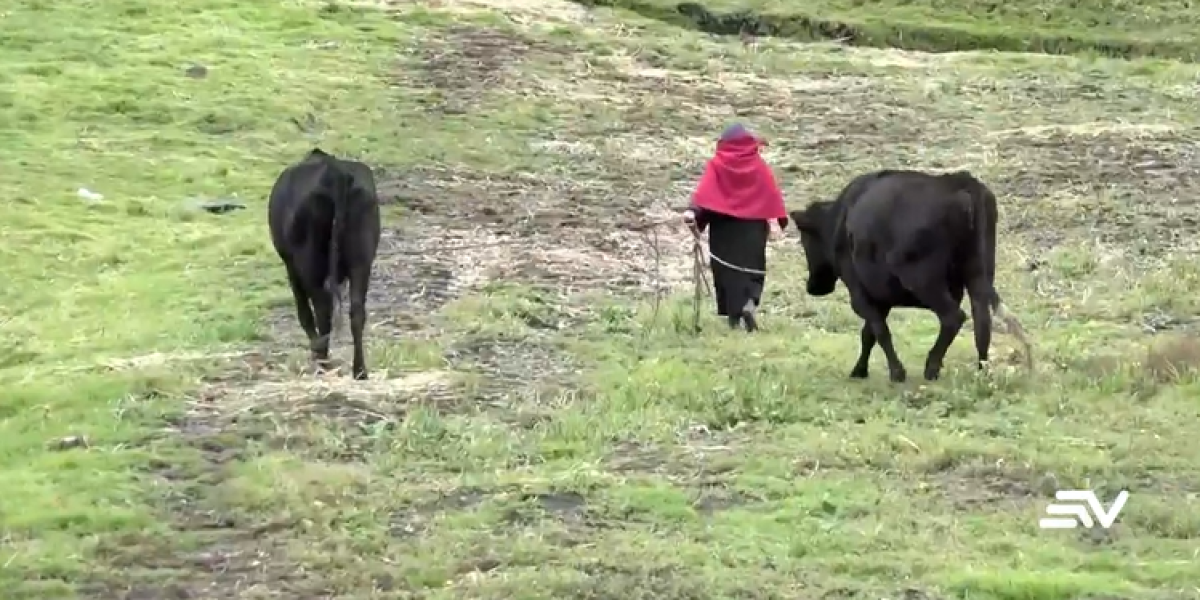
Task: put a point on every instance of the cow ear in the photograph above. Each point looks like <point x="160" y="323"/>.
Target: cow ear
<point x="802" y="220"/>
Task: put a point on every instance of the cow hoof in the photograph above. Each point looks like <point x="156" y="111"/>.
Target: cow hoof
<point x="898" y="376"/>
<point x="360" y="375"/>
<point x="858" y="373"/>
<point x="932" y="374"/>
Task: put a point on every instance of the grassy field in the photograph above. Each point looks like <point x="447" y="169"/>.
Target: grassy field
<point x="1166" y="29"/>
<point x="537" y="425"/>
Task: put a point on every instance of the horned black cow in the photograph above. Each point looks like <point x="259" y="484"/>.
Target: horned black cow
<point x="900" y="238"/>
<point x="324" y="220"/>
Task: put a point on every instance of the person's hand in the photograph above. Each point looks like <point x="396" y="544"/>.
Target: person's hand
<point x="689" y="219"/>
<point x="775" y="231"/>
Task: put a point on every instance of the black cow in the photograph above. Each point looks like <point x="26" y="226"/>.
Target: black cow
<point x="324" y="219"/>
<point x="900" y="238"/>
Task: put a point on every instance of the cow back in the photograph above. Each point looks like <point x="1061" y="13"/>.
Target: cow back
<point x="909" y="214"/>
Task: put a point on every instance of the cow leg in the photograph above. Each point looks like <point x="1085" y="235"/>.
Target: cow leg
<point x="876" y="319"/>
<point x="950" y="317"/>
<point x="867" y="338"/>
<point x="359" y="280"/>
<point x="323" y="308"/>
<point x="980" y="291"/>
<point x="304" y="311"/>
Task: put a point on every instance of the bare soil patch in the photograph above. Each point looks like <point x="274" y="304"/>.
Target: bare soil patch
<point x="825" y="117"/>
<point x="233" y="558"/>
<point x="413" y="519"/>
<point x="975" y="483"/>
<point x="462" y="231"/>
<point x="525" y="365"/>
<point x="517" y="203"/>
<point x="565" y="507"/>
<point x="463" y="62"/>
<point x="1128" y="186"/>
<point x="714" y="496"/>
<point x="701" y="462"/>
<point x="332" y="417"/>
<point x="423" y="266"/>
<point x="634" y="457"/>
<point x="1159" y="161"/>
<point x="535" y="11"/>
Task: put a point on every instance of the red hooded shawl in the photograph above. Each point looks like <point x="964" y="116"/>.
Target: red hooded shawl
<point x="739" y="183"/>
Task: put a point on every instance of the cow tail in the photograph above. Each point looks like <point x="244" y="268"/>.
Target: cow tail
<point x="985" y="236"/>
<point x="985" y="229"/>
<point x="337" y="231"/>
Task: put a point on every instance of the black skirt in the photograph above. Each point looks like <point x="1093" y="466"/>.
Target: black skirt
<point x="742" y="243"/>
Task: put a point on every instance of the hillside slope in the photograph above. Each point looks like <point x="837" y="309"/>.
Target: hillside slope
<point x="1166" y="29"/>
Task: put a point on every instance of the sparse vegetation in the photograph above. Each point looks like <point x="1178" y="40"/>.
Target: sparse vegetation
<point x="1160" y="29"/>
<point x="538" y="426"/>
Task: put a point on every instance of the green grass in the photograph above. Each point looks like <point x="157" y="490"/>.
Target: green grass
<point x="1117" y="29"/>
<point x="97" y="98"/>
<point x="535" y="427"/>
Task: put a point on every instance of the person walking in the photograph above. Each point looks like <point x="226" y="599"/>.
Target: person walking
<point x="738" y="201"/>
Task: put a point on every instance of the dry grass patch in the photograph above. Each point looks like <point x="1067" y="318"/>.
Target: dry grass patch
<point x="522" y="11"/>
<point x="464" y="63"/>
<point x="1173" y="358"/>
<point x="1108" y="164"/>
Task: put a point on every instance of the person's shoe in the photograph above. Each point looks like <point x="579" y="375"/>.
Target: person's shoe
<point x="751" y="323"/>
<point x="748" y="316"/>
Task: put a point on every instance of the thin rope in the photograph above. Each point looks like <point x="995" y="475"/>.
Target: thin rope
<point x="700" y="248"/>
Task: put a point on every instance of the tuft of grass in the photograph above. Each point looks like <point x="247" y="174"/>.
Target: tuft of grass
<point x="1173" y="358"/>
<point x="539" y="424"/>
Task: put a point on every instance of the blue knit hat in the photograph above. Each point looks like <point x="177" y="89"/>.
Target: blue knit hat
<point x="735" y="131"/>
